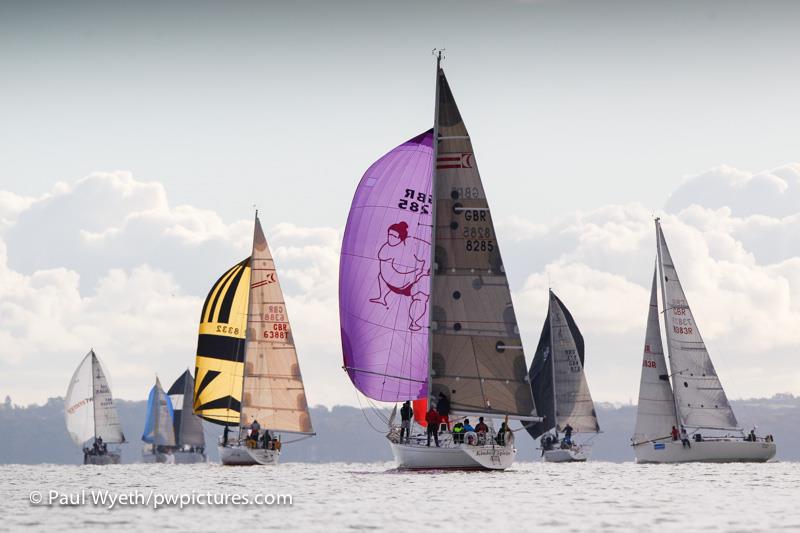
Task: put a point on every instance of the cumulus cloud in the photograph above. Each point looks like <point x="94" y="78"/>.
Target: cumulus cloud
<point x="108" y="262"/>
<point x="747" y="307"/>
<point x="775" y="193"/>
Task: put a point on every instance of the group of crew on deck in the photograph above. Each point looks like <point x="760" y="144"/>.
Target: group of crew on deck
<point x="549" y="441"/>
<point x="438" y="420"/>
<point x="683" y="436"/>
<point x="98" y="447"/>
<point x="255" y="438"/>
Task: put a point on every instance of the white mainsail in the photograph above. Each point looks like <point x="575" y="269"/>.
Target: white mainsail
<point x="655" y="415"/>
<point x="700" y="398"/>
<point x="273" y="391"/>
<point x="89" y="408"/>
<point x="573" y="401"/>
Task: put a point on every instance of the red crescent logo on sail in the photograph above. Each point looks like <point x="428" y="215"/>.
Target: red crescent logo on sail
<point x="454" y="160"/>
<point x="270" y="279"/>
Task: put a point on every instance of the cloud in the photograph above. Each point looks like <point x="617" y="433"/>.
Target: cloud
<point x="108" y="262"/>
<point x="775" y="193"/>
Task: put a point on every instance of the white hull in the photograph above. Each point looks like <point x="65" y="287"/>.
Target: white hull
<point x="460" y="457"/>
<point x="105" y="459"/>
<point x="574" y="455"/>
<point x="709" y="451"/>
<point x="237" y="455"/>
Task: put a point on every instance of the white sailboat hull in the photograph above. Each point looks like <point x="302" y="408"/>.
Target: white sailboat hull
<point x="243" y="456"/>
<point x="105" y="459"/>
<point x="716" y="451"/>
<point x="458" y="457"/>
<point x="571" y="455"/>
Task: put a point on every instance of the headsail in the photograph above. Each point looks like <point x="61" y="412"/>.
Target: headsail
<point x="220" y="347"/>
<point x="384" y="275"/>
<point x="557" y="376"/>
<point x="477" y="355"/>
<point x="188" y="426"/>
<point x="273" y="390"/>
<point x="89" y="408"/>
<point x="700" y="397"/>
<point x="79" y="403"/>
<point x="158" y="427"/>
<point x="655" y="413"/>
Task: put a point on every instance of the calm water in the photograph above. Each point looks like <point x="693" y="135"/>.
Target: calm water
<point x="592" y="496"/>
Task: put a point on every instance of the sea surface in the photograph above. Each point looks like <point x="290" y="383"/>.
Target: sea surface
<point x="594" y="496"/>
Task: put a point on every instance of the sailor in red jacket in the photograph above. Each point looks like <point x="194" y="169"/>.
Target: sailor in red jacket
<point x="432" y="418"/>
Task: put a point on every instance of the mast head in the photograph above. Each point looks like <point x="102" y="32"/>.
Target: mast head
<point x="437" y="52"/>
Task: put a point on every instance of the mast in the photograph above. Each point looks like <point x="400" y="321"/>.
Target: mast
<point x="552" y="357"/>
<point x="94" y="390"/>
<point x="156" y="413"/>
<point x="244" y="356"/>
<point x="666" y="325"/>
<point x="433" y="266"/>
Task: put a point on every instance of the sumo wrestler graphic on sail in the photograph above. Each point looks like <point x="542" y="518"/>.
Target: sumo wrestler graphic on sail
<point x="401" y="269"/>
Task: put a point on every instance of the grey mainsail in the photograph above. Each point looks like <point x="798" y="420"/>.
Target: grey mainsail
<point x="700" y="398"/>
<point x="187" y="425"/>
<point x="655" y="413"/>
<point x="477" y="358"/>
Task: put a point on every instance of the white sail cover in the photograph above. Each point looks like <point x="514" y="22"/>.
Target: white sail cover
<point x="273" y="386"/>
<point x="89" y="408"/>
<point x="655" y="414"/>
<point x="477" y="355"/>
<point x="700" y="397"/>
<point x="573" y="403"/>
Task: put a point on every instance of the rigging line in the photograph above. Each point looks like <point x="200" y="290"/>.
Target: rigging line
<point x="369" y="422"/>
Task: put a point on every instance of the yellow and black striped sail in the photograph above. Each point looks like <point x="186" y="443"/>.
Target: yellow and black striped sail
<point x="220" y="347"/>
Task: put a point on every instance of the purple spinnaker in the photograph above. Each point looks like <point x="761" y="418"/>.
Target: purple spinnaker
<point x="384" y="275"/>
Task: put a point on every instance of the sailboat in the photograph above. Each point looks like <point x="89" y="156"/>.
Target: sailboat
<point x="427" y="313"/>
<point x="248" y="374"/>
<point x="560" y="389"/>
<point x="688" y="396"/>
<point x="90" y="414"/>
<point x="190" y="442"/>
<point x="158" y="435"/>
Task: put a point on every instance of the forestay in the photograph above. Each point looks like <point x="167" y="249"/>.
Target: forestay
<point x="701" y="400"/>
<point x="384" y="275"/>
<point x="655" y="414"/>
<point x="273" y="391"/>
<point x="477" y="355"/>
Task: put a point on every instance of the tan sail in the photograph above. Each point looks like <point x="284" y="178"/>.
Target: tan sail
<point x="273" y="391"/>
<point x="477" y="356"/>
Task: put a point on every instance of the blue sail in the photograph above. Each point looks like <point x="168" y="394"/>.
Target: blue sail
<point x="158" y="427"/>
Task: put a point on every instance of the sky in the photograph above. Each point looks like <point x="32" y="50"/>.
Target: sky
<point x="135" y="139"/>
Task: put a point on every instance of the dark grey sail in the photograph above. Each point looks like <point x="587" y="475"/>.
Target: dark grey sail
<point x="477" y="359"/>
<point x="542" y="372"/>
<point x="188" y="426"/>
